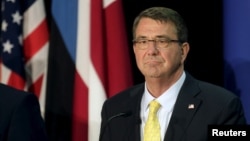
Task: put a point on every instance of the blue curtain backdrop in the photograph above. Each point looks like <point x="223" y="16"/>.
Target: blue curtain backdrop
<point x="237" y="49"/>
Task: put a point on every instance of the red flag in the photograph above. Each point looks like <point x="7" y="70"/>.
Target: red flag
<point x="24" y="46"/>
<point x="109" y="57"/>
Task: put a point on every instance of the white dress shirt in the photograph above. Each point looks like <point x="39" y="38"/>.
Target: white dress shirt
<point x="167" y="101"/>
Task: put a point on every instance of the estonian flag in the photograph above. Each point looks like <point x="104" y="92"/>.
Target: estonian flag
<point x="88" y="62"/>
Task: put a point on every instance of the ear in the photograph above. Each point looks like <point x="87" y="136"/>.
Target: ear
<point x="185" y="49"/>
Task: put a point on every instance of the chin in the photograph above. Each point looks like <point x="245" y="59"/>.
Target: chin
<point x="153" y="75"/>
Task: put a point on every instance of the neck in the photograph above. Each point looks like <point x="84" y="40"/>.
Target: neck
<point x="157" y="86"/>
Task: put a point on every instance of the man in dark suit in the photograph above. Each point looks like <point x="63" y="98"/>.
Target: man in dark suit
<point x="187" y="105"/>
<point x="20" y="117"/>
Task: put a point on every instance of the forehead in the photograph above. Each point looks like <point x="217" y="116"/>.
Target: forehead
<point x="150" y="28"/>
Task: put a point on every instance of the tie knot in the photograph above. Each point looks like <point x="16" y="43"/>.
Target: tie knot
<point x="154" y="106"/>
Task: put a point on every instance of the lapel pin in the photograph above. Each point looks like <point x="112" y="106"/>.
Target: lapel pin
<point x="191" y="106"/>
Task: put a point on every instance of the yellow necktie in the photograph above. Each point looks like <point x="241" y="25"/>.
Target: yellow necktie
<point x="152" y="130"/>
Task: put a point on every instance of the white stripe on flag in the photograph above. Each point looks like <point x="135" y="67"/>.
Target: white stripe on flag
<point x="5" y="74"/>
<point x="35" y="15"/>
<point x="106" y="3"/>
<point x="87" y="72"/>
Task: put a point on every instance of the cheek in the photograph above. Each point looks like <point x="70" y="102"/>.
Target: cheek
<point x="139" y="59"/>
<point x="171" y="57"/>
<point x="167" y="56"/>
<point x="138" y="54"/>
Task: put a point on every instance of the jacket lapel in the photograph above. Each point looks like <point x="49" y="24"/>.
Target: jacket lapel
<point x="184" y="110"/>
<point x="134" y="105"/>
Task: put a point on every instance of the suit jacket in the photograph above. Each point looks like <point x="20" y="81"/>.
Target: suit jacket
<point x="20" y="118"/>
<point x="211" y="105"/>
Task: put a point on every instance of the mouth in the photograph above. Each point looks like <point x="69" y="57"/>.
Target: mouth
<point x="152" y="62"/>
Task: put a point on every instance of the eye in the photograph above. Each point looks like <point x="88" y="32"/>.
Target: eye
<point x="162" y="41"/>
<point x="142" y="41"/>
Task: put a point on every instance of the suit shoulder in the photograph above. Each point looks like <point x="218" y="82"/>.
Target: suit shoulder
<point x="218" y="94"/>
<point x="128" y="93"/>
<point x="12" y="95"/>
<point x="212" y="88"/>
<point x="207" y="90"/>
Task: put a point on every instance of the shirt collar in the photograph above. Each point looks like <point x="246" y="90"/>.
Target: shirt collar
<point x="168" y="98"/>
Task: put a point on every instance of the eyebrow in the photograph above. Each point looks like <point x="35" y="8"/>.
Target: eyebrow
<point x="158" y="36"/>
<point x="163" y="36"/>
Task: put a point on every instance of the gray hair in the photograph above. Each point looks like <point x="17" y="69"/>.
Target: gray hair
<point x="164" y="14"/>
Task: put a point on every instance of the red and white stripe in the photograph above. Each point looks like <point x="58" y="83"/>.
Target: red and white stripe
<point x="36" y="43"/>
<point x="99" y="46"/>
<point x="35" y="48"/>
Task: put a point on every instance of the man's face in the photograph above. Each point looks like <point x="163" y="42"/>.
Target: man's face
<point x="157" y="62"/>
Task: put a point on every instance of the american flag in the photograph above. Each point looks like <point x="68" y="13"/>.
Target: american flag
<point x="24" y="46"/>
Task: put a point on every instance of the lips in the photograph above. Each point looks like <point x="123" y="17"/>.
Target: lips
<point x="152" y="62"/>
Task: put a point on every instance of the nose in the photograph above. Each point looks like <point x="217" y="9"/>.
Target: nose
<point x="152" y="47"/>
